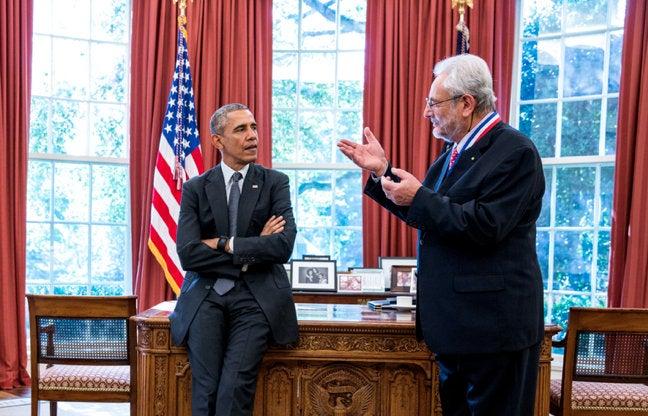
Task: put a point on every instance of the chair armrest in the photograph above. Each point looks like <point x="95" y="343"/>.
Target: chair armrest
<point x="49" y="348"/>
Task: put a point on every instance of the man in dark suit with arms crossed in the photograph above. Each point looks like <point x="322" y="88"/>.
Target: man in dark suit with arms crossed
<point x="479" y="284"/>
<point x="235" y="231"/>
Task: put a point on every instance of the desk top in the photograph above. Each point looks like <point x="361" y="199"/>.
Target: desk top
<point x="315" y="313"/>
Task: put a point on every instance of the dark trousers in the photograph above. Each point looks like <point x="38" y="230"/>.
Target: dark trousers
<point x="498" y="384"/>
<point x="225" y="343"/>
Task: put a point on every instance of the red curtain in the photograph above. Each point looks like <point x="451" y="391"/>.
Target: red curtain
<point x="15" y="91"/>
<point x="628" y="281"/>
<point x="404" y="39"/>
<point x="230" y="52"/>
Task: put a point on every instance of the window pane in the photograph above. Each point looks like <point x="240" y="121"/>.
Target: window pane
<point x="318" y="24"/>
<point x="71" y="192"/>
<point x="618" y="12"/>
<point x="317" y="79"/>
<point x="584" y="55"/>
<point x="70" y="253"/>
<point x="110" y="20"/>
<point x="349" y="125"/>
<point x="109" y="245"/>
<point x="314" y="198"/>
<point x="561" y="305"/>
<point x="42" y="16"/>
<point x="352" y="24"/>
<point x="284" y="80"/>
<point x="312" y="241"/>
<point x="38" y="252"/>
<point x="348" y="198"/>
<point x="538" y="121"/>
<point x="38" y="134"/>
<point x="109" y="193"/>
<point x="71" y="18"/>
<point x="107" y="290"/>
<point x="540" y="64"/>
<point x="108" y="75"/>
<point x="285" y="17"/>
<point x="539" y="18"/>
<point x="542" y="249"/>
<point x="315" y="137"/>
<point x="284" y="136"/>
<point x="39" y="191"/>
<point x="575" y="196"/>
<point x="581" y="128"/>
<point x="585" y="14"/>
<point x="611" y="126"/>
<point x="70" y="290"/>
<point x="69" y="127"/>
<point x="71" y="67"/>
<point x="41" y="65"/>
<point x="607" y="192"/>
<point x="350" y="79"/>
<point x="545" y="213"/>
<point x="573" y="260"/>
<point x="108" y="136"/>
<point x="603" y="261"/>
<point x="347" y="248"/>
<point x="616" y="46"/>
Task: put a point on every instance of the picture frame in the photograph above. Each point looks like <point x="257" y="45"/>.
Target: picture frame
<point x="386" y="264"/>
<point x="349" y="283"/>
<point x="316" y="257"/>
<point x="372" y="279"/>
<point x="401" y="279"/>
<point x="313" y="275"/>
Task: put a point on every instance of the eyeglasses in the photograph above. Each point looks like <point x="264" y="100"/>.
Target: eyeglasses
<point x="431" y="103"/>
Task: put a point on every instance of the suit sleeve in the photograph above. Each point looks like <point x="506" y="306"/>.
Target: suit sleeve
<point x="195" y="255"/>
<point x="373" y="189"/>
<point x="501" y="203"/>
<point x="274" y="248"/>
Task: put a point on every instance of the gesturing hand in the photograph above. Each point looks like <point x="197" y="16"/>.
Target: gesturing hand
<point x="274" y="225"/>
<point x="403" y="192"/>
<point x="369" y="156"/>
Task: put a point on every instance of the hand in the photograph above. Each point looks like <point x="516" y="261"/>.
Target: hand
<point x="369" y="156"/>
<point x="400" y="193"/>
<point x="274" y="225"/>
<point x="211" y="242"/>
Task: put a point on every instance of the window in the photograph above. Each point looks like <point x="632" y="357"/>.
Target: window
<point x="317" y="88"/>
<point x="567" y="96"/>
<point x="78" y="240"/>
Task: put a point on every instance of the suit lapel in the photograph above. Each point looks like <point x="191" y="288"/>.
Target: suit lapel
<point x="216" y="195"/>
<point x="468" y="159"/>
<point x="252" y="186"/>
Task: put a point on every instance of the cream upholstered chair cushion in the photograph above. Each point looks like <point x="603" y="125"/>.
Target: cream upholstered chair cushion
<point x="600" y="396"/>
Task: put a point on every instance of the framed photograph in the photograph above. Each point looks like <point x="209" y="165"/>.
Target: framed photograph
<point x="316" y="257"/>
<point x="401" y="278"/>
<point x="372" y="279"/>
<point x="349" y="283"/>
<point x="414" y="279"/>
<point x="319" y="275"/>
<point x="386" y="264"/>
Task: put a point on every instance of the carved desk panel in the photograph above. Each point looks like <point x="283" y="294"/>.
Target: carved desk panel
<point x="349" y="361"/>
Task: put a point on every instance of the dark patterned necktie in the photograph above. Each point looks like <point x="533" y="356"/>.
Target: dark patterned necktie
<point x="223" y="284"/>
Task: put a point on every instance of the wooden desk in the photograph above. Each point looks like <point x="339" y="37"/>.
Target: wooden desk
<point x="349" y="361"/>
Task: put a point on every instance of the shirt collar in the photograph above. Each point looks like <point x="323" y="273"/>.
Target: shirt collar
<point x="462" y="142"/>
<point x="228" y="172"/>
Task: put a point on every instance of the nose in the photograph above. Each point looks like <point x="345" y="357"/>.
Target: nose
<point x="427" y="111"/>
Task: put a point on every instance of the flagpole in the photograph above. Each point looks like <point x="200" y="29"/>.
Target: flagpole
<point x="463" y="34"/>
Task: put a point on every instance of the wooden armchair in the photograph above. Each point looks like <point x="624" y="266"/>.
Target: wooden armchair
<point x="82" y="349"/>
<point x="605" y="366"/>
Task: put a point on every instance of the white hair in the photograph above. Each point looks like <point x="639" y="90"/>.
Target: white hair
<point x="468" y="74"/>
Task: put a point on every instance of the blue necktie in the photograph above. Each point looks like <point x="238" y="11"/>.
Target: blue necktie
<point x="223" y="284"/>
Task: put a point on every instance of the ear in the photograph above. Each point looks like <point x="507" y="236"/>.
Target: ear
<point x="217" y="141"/>
<point x="470" y="104"/>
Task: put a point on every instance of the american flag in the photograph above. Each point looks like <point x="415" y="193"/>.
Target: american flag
<point x="179" y="158"/>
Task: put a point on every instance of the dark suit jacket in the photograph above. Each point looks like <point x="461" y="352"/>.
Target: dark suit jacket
<point x="203" y="214"/>
<point x="479" y="287"/>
